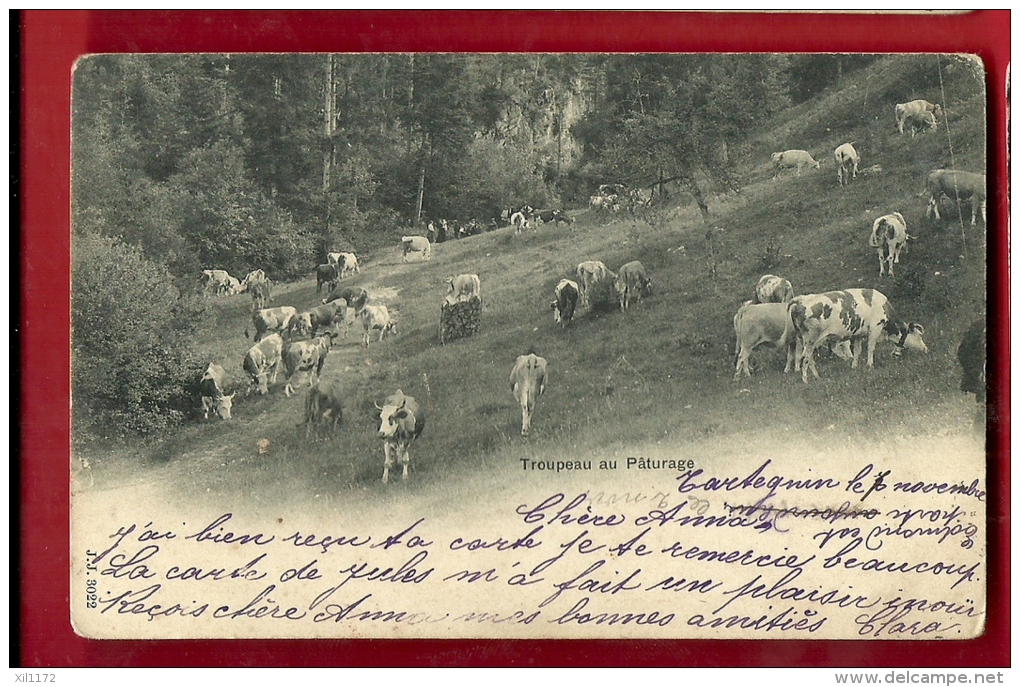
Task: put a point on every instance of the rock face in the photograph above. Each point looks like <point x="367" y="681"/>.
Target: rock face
<point x="457" y="320"/>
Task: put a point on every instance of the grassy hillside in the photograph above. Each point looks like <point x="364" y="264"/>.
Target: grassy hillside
<point x="660" y="374"/>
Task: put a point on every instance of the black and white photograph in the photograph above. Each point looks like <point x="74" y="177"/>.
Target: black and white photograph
<point x="538" y="346"/>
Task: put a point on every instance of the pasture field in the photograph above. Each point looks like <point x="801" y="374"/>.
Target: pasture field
<point x="656" y="379"/>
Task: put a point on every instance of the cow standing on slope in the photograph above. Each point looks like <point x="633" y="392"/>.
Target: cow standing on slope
<point x="916" y="108"/>
<point x="377" y="317"/>
<point x="793" y="159"/>
<point x="564" y="301"/>
<point x="847" y="161"/>
<point x="852" y="315"/>
<point x="401" y="422"/>
<point x="416" y="244"/>
<point x="590" y="273"/>
<point x="262" y="360"/>
<point x="271" y="320"/>
<point x="306" y="357"/>
<point x="889" y="236"/>
<point x="463" y="288"/>
<point x="957" y="186"/>
<point x="773" y="289"/>
<point x="324" y="403"/>
<point x="632" y="281"/>
<point x="756" y="324"/>
<point x="211" y="388"/>
<point x="326" y="274"/>
<point x="527" y="381"/>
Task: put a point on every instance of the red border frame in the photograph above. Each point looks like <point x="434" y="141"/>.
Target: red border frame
<point x="50" y="43"/>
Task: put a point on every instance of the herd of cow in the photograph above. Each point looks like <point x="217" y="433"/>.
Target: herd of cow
<point x="844" y="321"/>
<point x="860" y="317"/>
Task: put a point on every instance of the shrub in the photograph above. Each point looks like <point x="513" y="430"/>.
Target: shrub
<point x="130" y="357"/>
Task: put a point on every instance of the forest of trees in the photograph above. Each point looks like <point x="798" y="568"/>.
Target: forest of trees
<point x="187" y="162"/>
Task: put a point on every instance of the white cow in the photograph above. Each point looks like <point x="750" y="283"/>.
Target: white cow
<point x="888" y="235"/>
<point x="416" y="244"/>
<point x="921" y="121"/>
<point x="792" y="159"/>
<point x="527" y="381"/>
<point x="377" y="317"/>
<point x="349" y="265"/>
<point x="913" y="108"/>
<point x="764" y="323"/>
<point x="847" y="161"/>
<point x="957" y="186"/>
<point x="590" y="273"/>
<point x="463" y="288"/>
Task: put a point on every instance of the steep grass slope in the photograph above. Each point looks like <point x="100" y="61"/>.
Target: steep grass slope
<point x="660" y="374"/>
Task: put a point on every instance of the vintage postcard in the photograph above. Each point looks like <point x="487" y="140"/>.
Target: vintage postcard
<point x="425" y="345"/>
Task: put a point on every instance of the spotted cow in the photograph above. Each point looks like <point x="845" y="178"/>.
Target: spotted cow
<point x="773" y="289"/>
<point x="262" y="360"/>
<point x="564" y="301"/>
<point x="401" y="422"/>
<point x="211" y="387"/>
<point x="861" y="316"/>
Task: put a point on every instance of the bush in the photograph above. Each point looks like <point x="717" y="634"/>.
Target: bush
<point x="130" y="358"/>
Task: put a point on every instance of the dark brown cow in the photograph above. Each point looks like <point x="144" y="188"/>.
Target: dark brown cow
<point x="324" y="404"/>
<point x="325" y="274"/>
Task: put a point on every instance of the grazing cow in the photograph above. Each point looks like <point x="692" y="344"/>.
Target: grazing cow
<point x="764" y="323"/>
<point x="793" y="159"/>
<point x="271" y="320"/>
<point x="631" y="280"/>
<point x="211" y="388"/>
<point x="564" y="301"/>
<point x="904" y="111"/>
<point x="220" y="282"/>
<point x="972" y="356"/>
<point x="888" y="235"/>
<point x="956" y="186"/>
<point x="262" y="359"/>
<point x="462" y="288"/>
<point x="349" y="264"/>
<point x="847" y="161"/>
<point x="326" y="274"/>
<point x="773" y="289"/>
<point x="854" y="315"/>
<point x="377" y="317"/>
<point x="589" y="273"/>
<point x="921" y="121"/>
<point x="324" y="403"/>
<point x="333" y="259"/>
<point x="401" y="421"/>
<point x="306" y="357"/>
<point x="309" y="322"/>
<point x="355" y="297"/>
<point x="527" y="381"/>
<point x="416" y="244"/>
<point x="546" y="216"/>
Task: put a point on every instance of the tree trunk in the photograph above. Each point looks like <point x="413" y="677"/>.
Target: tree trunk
<point x="327" y="149"/>
<point x="421" y="189"/>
